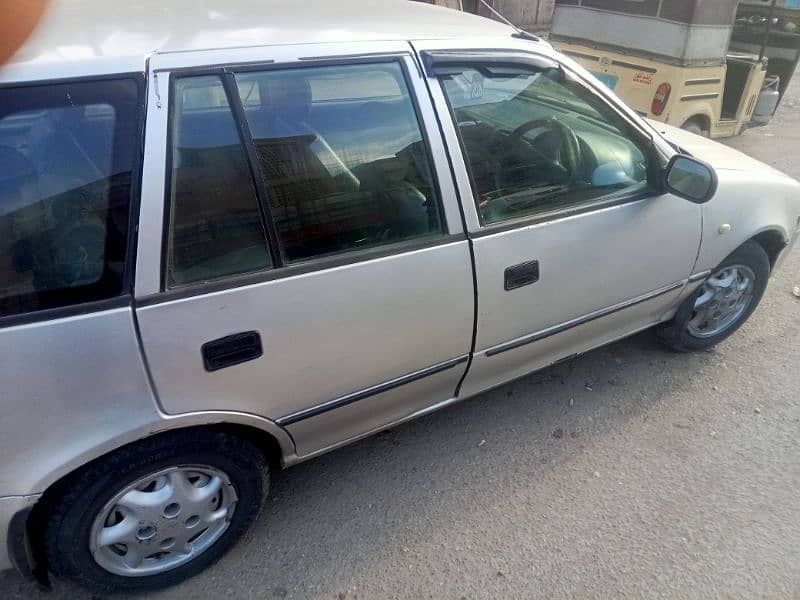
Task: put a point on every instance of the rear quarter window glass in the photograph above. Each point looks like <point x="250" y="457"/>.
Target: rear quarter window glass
<point x="67" y="155"/>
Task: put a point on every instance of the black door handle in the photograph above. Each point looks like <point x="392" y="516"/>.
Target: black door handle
<point x="231" y="350"/>
<point x="521" y="275"/>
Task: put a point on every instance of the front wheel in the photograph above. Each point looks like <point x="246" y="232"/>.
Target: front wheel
<point x="157" y="512"/>
<point x="724" y="301"/>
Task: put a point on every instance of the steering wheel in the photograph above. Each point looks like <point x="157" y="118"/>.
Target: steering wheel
<point x="563" y="168"/>
<point x="570" y="153"/>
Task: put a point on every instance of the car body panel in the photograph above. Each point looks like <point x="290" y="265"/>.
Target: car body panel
<point x="751" y="198"/>
<point x="325" y="331"/>
<point x="491" y="370"/>
<point x="355" y="329"/>
<point x="325" y="334"/>
<point x="119" y="37"/>
<point x="334" y="428"/>
<point x="587" y="262"/>
<point x="590" y="261"/>
<point x="72" y="385"/>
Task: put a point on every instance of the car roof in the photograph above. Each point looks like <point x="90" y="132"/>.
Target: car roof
<point x="97" y="36"/>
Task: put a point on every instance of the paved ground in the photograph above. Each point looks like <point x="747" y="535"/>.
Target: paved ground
<point x="673" y="476"/>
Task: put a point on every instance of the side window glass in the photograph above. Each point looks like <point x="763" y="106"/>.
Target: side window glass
<point x="216" y="229"/>
<point x="67" y="153"/>
<point x="540" y="142"/>
<point x="344" y="162"/>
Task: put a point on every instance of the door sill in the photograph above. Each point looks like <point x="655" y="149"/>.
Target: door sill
<point x="414" y="415"/>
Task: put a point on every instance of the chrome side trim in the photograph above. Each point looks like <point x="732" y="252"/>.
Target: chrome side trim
<point x="431" y="409"/>
<point x="598" y="314"/>
<point x="419" y="413"/>
<point x="371" y="391"/>
<point x="699" y="276"/>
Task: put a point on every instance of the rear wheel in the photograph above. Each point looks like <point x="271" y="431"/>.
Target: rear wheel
<point x="696" y="126"/>
<point x="155" y="513"/>
<point x="724" y="301"/>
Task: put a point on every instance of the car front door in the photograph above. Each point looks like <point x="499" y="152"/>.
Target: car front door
<point x="574" y="246"/>
<point x="313" y="267"/>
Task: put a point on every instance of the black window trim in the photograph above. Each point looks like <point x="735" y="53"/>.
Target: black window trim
<point x="254" y="165"/>
<point x="596" y="205"/>
<point x="524" y="60"/>
<point x="439" y="64"/>
<point x="124" y="298"/>
<point x="69" y="310"/>
<point x="279" y="269"/>
<point x="323" y="263"/>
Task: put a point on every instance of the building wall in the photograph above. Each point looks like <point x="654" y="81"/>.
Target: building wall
<point x="448" y="3"/>
<point x="527" y="14"/>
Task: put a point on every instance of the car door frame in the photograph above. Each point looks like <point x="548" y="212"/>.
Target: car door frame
<point x="150" y="284"/>
<point x="516" y="52"/>
<point x="162" y="68"/>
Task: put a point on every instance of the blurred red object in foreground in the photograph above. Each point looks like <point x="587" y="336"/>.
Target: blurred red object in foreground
<point x="18" y="18"/>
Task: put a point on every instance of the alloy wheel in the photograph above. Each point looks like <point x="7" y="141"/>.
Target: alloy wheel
<point x="723" y="299"/>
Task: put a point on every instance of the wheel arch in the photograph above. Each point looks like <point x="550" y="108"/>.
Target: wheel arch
<point x="27" y="542"/>
<point x="773" y="242"/>
<point x="162" y="424"/>
<point x="703" y="119"/>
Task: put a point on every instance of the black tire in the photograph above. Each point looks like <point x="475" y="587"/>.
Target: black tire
<point x="67" y="530"/>
<point x="696" y="127"/>
<point x="675" y="334"/>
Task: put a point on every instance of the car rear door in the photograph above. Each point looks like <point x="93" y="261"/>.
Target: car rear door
<point x="574" y="246"/>
<point x="301" y="252"/>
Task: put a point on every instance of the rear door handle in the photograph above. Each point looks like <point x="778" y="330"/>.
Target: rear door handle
<point x="518" y="276"/>
<point x="231" y="350"/>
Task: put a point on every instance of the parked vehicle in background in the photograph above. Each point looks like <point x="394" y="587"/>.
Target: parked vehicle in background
<point x="236" y="238"/>
<point x="770" y="28"/>
<point x="674" y="62"/>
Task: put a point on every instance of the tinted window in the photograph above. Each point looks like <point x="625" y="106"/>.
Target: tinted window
<point x="216" y="229"/>
<point x="342" y="155"/>
<point x="540" y="142"/>
<point x="66" y="165"/>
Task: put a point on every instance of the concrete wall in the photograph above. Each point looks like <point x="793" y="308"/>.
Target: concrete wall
<point x="448" y="3"/>
<point x="528" y="14"/>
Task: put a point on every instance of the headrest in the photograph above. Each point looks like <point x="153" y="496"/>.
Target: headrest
<point x="286" y="96"/>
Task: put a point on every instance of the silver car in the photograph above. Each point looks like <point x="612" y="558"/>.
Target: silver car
<point x="236" y="237"/>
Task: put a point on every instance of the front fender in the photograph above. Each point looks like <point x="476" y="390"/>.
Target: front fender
<point x="747" y="204"/>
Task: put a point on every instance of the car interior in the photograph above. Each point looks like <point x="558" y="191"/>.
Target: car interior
<point x="57" y="222"/>
<point x="533" y="145"/>
<point x="345" y="167"/>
